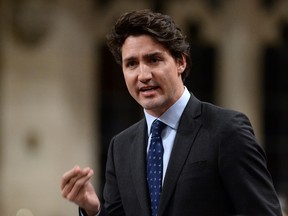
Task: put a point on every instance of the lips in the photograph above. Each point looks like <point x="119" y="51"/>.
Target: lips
<point x="148" y="88"/>
<point x="148" y="91"/>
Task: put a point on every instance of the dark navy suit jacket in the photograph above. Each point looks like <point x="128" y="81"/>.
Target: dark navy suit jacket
<point x="216" y="168"/>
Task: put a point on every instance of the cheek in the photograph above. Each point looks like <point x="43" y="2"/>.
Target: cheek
<point x="172" y="82"/>
<point x="171" y="76"/>
<point x="131" y="82"/>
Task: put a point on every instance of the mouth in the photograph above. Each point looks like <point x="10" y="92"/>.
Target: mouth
<point x="148" y="91"/>
<point x="148" y="88"/>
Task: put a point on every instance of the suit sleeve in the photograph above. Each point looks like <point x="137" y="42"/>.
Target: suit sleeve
<point x="243" y="170"/>
<point x="113" y="203"/>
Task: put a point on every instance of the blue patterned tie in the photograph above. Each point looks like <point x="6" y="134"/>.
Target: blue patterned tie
<point x="155" y="165"/>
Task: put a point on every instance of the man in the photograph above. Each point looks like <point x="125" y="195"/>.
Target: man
<point x="205" y="161"/>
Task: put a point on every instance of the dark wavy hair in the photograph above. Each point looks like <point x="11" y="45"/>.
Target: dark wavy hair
<point x="159" y="26"/>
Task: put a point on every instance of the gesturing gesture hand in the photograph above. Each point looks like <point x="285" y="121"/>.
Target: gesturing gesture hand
<point x="76" y="187"/>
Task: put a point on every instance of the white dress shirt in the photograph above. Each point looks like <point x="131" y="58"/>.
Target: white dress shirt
<point x="171" y="118"/>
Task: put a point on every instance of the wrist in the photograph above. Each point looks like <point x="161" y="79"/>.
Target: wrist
<point x="85" y="212"/>
<point x="92" y="213"/>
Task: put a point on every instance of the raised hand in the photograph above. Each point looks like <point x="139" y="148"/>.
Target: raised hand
<point x="76" y="187"/>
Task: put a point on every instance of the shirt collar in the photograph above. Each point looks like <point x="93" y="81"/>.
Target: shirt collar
<point x="171" y="116"/>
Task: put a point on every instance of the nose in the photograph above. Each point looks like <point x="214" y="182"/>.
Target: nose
<point x="144" y="73"/>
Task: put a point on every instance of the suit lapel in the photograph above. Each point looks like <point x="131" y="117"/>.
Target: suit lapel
<point x="138" y="166"/>
<point x="188" y="128"/>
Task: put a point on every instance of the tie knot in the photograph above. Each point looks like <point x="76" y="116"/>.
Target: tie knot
<point x="157" y="127"/>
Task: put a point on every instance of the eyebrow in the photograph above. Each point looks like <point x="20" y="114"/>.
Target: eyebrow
<point x="146" y="56"/>
<point x="153" y="54"/>
<point x="129" y="59"/>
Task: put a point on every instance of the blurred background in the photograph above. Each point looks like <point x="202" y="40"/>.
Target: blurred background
<point x="62" y="97"/>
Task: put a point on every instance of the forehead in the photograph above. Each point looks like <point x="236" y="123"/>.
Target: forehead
<point x="141" y="45"/>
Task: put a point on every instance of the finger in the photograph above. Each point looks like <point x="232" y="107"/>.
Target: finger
<point x="74" y="173"/>
<point x="72" y="179"/>
<point x="69" y="175"/>
<point x="79" y="186"/>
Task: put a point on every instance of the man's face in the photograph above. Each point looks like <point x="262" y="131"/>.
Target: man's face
<point x="152" y="75"/>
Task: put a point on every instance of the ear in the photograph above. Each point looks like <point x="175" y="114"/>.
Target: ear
<point x="181" y="64"/>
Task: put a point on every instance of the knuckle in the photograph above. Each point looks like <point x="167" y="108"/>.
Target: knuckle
<point x="64" y="193"/>
<point x="78" y="184"/>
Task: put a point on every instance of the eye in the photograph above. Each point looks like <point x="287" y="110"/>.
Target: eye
<point x="155" y="59"/>
<point x="131" y="64"/>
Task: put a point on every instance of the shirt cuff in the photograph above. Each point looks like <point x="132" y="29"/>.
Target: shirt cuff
<point x="83" y="213"/>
